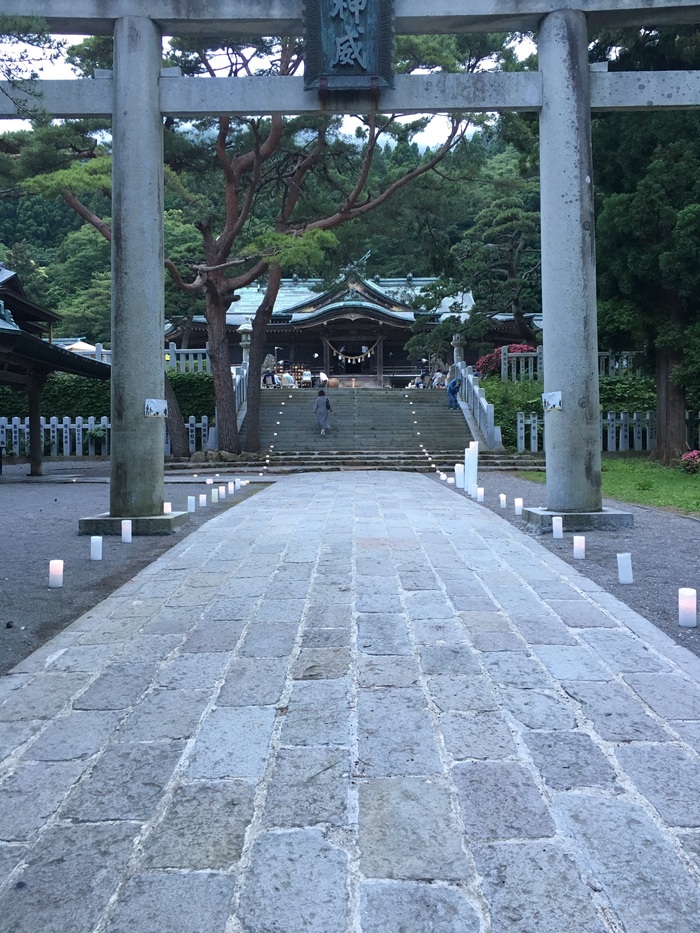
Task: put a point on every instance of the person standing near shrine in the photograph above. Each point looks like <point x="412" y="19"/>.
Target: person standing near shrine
<point x="322" y="409"/>
<point x="453" y="392"/>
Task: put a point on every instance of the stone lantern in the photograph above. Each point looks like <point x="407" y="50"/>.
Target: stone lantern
<point x="458" y="343"/>
<point x="246" y="331"/>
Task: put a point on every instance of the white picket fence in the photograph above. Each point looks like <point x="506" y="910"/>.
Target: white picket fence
<point x="83" y="437"/>
<point x="619" y="431"/>
<point x="526" y="367"/>
<point x="182" y="361"/>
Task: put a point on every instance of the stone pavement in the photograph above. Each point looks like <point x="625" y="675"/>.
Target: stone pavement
<point x="356" y="703"/>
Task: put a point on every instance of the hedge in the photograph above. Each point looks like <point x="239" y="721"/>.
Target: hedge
<point x="67" y="396"/>
<point x="508" y="398"/>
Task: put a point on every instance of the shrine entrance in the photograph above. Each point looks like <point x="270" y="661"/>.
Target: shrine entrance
<point x="562" y="92"/>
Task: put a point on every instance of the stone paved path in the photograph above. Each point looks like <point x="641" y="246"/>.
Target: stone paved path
<point x="356" y="703"/>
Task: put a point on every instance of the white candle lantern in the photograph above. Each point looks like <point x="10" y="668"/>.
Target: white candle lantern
<point x="222" y="492"/>
<point x="450" y="480"/>
<point x="503" y="500"/>
<point x="579" y="547"/>
<point x="55" y="573"/>
<point x="95" y="547"/>
<point x="215" y="495"/>
<point x="518" y="504"/>
<point x="624" y="568"/>
<point x="479" y="493"/>
<point x="557" y="526"/>
<point x="687" y="607"/>
<point x="472" y="491"/>
<point x="191" y="503"/>
<point x="126" y="530"/>
<point x="210" y="481"/>
<point x="202" y="501"/>
<point x="167" y="508"/>
<point x="459" y="475"/>
<point x="237" y="484"/>
<point x="231" y="488"/>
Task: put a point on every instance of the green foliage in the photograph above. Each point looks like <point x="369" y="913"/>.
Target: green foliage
<point x="87" y="312"/>
<point x="67" y="396"/>
<point x="83" y="254"/>
<point x="94" y="174"/>
<point x="508" y="398"/>
<point x="22" y="259"/>
<point x="194" y="393"/>
<point x="433" y="344"/>
<point x="629" y="394"/>
<point x="634" y="479"/>
<point x="303" y="255"/>
<point x="648" y="166"/>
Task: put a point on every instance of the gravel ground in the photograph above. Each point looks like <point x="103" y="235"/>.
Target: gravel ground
<point x="664" y="545"/>
<point x="40" y="522"/>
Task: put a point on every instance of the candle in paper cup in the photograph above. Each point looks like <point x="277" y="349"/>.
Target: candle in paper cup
<point x="503" y="500"/>
<point x="624" y="568"/>
<point x="518" y="503"/>
<point x="126" y="530"/>
<point x="215" y="495"/>
<point x="231" y="488"/>
<point x="95" y="547"/>
<point x="202" y="501"/>
<point x="579" y="547"/>
<point x="167" y="508"/>
<point x="557" y="526"/>
<point x="479" y="493"/>
<point x="687" y="607"/>
<point x="55" y="573"/>
<point x="222" y="492"/>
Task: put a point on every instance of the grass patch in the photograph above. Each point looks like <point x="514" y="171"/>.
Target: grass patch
<point x="645" y="483"/>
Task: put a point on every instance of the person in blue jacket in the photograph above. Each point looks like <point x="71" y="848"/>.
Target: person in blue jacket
<point x="452" y="393"/>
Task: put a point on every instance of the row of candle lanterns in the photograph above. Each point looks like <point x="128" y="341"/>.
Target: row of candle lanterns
<point x="687" y="596"/>
<point x="218" y="494"/>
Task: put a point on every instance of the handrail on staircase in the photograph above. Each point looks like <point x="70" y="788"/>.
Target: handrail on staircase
<point x="481" y="410"/>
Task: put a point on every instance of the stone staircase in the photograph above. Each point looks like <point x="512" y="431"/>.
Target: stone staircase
<point x="371" y="429"/>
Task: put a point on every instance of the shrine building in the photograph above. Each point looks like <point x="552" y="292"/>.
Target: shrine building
<point x="357" y="329"/>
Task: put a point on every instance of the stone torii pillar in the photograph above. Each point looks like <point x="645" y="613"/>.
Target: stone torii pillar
<point x="570" y="342"/>
<point x="136" y="487"/>
<point x="138" y="372"/>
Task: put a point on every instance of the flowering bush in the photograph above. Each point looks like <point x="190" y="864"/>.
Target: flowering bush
<point x="690" y="462"/>
<point x="490" y="365"/>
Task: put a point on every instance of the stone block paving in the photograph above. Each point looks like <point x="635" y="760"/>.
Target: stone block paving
<point x="357" y="703"/>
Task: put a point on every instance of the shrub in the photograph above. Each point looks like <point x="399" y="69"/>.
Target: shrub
<point x="690" y="462"/>
<point x="67" y="396"/>
<point x="490" y="364"/>
<point x="508" y="398"/>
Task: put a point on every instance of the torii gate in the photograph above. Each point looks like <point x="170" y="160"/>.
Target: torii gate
<point x="564" y="90"/>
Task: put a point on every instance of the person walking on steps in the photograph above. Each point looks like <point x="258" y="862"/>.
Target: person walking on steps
<point x="452" y="393"/>
<point x="322" y="409"/>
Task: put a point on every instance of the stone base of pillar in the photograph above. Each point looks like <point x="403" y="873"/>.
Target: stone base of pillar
<point x="105" y="524"/>
<point x="539" y="520"/>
